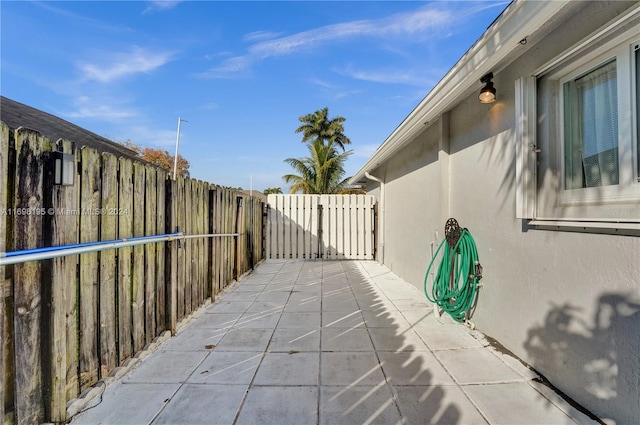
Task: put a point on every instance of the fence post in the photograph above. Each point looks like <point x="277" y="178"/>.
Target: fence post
<point x="89" y="283"/>
<point x="58" y="286"/>
<point x="171" y="263"/>
<point x="108" y="266"/>
<point x="27" y="295"/>
<point x="4" y="192"/>
<point x="125" y="281"/>
<point x="238" y="229"/>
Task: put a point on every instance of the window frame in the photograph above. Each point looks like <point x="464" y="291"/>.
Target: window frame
<point x="619" y="49"/>
<point x="539" y="133"/>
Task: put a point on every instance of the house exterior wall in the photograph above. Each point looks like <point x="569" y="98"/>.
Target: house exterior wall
<point x="567" y="303"/>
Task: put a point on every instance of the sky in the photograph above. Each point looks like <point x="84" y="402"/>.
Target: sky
<point x="239" y="73"/>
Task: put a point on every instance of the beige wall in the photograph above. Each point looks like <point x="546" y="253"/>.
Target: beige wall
<point x="567" y="303"/>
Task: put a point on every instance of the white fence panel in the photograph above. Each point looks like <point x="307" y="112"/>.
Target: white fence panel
<point x="321" y="226"/>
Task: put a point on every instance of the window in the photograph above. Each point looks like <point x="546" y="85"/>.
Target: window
<point x="591" y="128"/>
<point x="577" y="125"/>
<point x="597" y="126"/>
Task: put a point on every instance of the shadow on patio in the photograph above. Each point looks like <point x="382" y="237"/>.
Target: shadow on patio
<point x="333" y="342"/>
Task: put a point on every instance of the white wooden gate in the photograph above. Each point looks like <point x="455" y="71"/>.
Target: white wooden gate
<point x="321" y="226"/>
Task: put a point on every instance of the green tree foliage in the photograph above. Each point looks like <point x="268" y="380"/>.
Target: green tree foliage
<point x="322" y="172"/>
<point x="270" y="190"/>
<point x="318" y="127"/>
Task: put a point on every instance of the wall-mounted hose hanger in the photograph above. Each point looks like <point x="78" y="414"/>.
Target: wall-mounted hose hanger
<point x="455" y="284"/>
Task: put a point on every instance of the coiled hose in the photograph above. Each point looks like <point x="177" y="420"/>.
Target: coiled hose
<point x="456" y="283"/>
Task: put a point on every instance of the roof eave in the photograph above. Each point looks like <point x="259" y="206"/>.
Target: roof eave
<point x="520" y="19"/>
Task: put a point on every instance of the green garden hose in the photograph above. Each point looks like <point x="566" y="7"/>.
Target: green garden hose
<point x="456" y="283"/>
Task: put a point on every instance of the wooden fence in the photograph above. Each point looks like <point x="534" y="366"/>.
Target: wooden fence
<point x="66" y="323"/>
<point x="321" y="226"/>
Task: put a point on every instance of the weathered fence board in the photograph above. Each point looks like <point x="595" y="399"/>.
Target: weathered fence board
<point x="321" y="226"/>
<point x="89" y="221"/>
<point x="161" y="325"/>
<point x="125" y="230"/>
<point x="150" y="211"/>
<point x="67" y="322"/>
<point x="125" y="290"/>
<point x="137" y="280"/>
<point x="108" y="270"/>
<point x="29" y="406"/>
<point x="59" y="286"/>
<point x="4" y="185"/>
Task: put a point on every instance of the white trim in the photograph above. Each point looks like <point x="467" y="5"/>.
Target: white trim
<point x="526" y="148"/>
<point x="586" y="225"/>
<point x="585" y="43"/>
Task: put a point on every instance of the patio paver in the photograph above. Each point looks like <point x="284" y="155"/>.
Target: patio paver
<point x="313" y="342"/>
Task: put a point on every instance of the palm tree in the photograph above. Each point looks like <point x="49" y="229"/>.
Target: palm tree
<point x="318" y="127"/>
<point x="321" y="173"/>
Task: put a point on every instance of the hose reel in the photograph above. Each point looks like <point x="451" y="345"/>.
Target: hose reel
<point x="455" y="285"/>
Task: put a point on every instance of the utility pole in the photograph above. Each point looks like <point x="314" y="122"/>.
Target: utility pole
<point x="175" y="158"/>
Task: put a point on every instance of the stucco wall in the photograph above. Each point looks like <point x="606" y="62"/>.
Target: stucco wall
<point x="567" y="303"/>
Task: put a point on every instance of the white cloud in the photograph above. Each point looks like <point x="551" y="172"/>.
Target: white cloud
<point x="87" y="108"/>
<point x="394" y="76"/>
<point x="161" y="5"/>
<point x="422" y="21"/>
<point x="120" y="65"/>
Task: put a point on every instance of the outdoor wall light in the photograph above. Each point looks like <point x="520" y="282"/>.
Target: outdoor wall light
<point x="488" y="92"/>
<point x="64" y="167"/>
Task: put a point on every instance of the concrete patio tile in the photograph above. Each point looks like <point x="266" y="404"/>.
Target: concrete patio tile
<point x="295" y="339"/>
<point x="194" y="339"/>
<point x="307" y="287"/>
<point x="265" y="307"/>
<point x="248" y="288"/>
<point x="226" y="368"/>
<point x="413" y="368"/>
<point x="274" y="296"/>
<point x="200" y="404"/>
<point x="418" y="316"/>
<point x="303" y="305"/>
<point x="288" y="369"/>
<point x="336" y="339"/>
<point x="396" y="339"/>
<point x="245" y="340"/>
<point x="126" y="404"/>
<point x="297" y="320"/>
<point x="358" y="405"/>
<point x="265" y="352"/>
<point x="280" y="405"/>
<point x="383" y="318"/>
<point x="515" y="403"/>
<point x="347" y="304"/>
<point x="215" y="321"/>
<point x="169" y="367"/>
<point x="420" y="304"/>
<point x="437" y="405"/>
<point x="336" y="292"/>
<point x="562" y="404"/>
<point x="263" y="320"/>
<point x="225" y="306"/>
<point x="442" y="337"/>
<point x="375" y="303"/>
<point x="238" y="296"/>
<point x="342" y="319"/>
<point x="350" y="369"/>
<point x="464" y="366"/>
